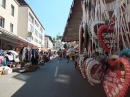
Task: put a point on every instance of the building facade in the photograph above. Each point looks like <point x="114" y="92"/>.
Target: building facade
<point x="59" y="44"/>
<point x="19" y="26"/>
<point x="48" y="42"/>
<point x="29" y="27"/>
<point x="8" y="23"/>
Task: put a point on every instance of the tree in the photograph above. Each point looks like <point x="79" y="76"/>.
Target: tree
<point x="65" y="45"/>
<point x="58" y="37"/>
<point x="54" y="40"/>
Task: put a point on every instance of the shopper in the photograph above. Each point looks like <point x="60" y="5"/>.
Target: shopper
<point x="60" y="54"/>
<point x="67" y="55"/>
<point x="41" y="58"/>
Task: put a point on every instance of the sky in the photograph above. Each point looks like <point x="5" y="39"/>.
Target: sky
<point x="52" y="14"/>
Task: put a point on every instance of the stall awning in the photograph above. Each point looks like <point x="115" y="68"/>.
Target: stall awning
<point x="71" y="31"/>
<point x="9" y="36"/>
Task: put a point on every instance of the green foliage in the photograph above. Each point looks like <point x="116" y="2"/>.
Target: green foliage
<point x="57" y="38"/>
<point x="65" y="45"/>
<point x="54" y="40"/>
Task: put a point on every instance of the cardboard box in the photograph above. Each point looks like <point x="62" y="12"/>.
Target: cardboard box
<point x="5" y="72"/>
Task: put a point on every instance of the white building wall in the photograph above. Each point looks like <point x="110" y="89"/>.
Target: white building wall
<point x="6" y="13"/>
<point x="45" y="43"/>
<point x="40" y="39"/>
<point x="23" y="21"/>
<point x="24" y="26"/>
<point x="58" y="45"/>
<point x="48" y="43"/>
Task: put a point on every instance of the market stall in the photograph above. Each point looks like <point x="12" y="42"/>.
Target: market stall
<point x="104" y="41"/>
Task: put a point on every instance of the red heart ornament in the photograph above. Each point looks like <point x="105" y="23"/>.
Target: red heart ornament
<point x="116" y="83"/>
<point x="106" y="37"/>
<point x="94" y="71"/>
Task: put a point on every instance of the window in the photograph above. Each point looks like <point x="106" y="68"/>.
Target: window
<point x="40" y="36"/>
<point x="36" y="23"/>
<point x="2" y="20"/>
<point x="35" y="40"/>
<point x="12" y="10"/>
<point x="41" y="29"/>
<point x="31" y="18"/>
<point x="31" y="28"/>
<point x="29" y="39"/>
<point x="11" y="27"/>
<point x="39" y="42"/>
<point x="36" y="32"/>
<point x="2" y="3"/>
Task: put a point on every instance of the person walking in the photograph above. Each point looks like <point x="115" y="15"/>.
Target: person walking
<point x="60" y="54"/>
<point x="67" y="56"/>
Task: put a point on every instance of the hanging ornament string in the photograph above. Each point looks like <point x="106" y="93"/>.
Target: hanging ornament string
<point x="124" y="25"/>
<point x="117" y="16"/>
<point x="104" y="8"/>
<point x="87" y="10"/>
<point x="84" y="12"/>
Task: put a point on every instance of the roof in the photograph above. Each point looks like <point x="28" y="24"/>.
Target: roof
<point x="24" y="3"/>
<point x="71" y="31"/>
<point x="49" y="37"/>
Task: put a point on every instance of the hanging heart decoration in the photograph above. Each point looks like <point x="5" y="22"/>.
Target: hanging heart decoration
<point x="117" y="80"/>
<point x="94" y="71"/>
<point x="90" y="35"/>
<point x="94" y="26"/>
<point x="80" y="39"/>
<point x="107" y="37"/>
<point x="87" y="61"/>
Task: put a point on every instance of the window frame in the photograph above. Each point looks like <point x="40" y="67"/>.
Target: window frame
<point x="12" y="10"/>
<point x="3" y="22"/>
<point x="31" y="28"/>
<point x="31" y="18"/>
<point x="35" y="32"/>
<point x="3" y="3"/>
<point x="36" y="23"/>
<point x="11" y="25"/>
